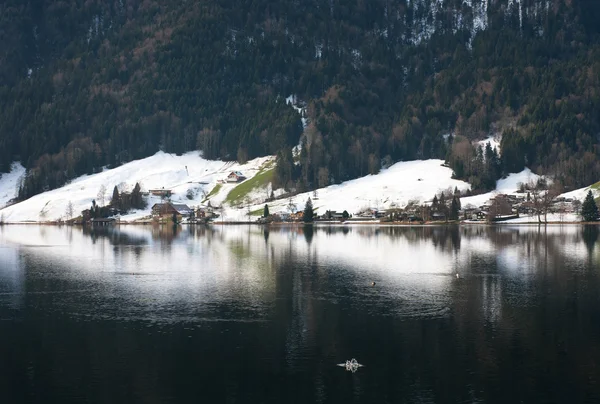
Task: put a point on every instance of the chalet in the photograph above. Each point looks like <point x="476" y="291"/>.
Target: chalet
<point x="337" y="215"/>
<point x="297" y="217"/>
<point x="168" y="209"/>
<point x="438" y="216"/>
<point x="163" y="193"/>
<point x="235" y="176"/>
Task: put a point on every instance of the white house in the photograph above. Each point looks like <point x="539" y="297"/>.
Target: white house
<point x="235" y="176"/>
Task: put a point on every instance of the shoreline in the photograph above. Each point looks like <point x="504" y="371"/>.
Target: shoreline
<point x="318" y="223"/>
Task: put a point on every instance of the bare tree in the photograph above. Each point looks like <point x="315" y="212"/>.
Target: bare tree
<point x="101" y="195"/>
<point x="291" y="205"/>
<point x="500" y="207"/>
<point x="536" y="200"/>
<point x="549" y="196"/>
<point x="543" y="197"/>
<point x="576" y="206"/>
<point x="69" y="211"/>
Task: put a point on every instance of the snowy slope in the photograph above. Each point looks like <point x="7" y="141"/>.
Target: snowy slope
<point x="178" y="173"/>
<point x="508" y="185"/>
<point x="403" y="182"/>
<point x="9" y="183"/>
<point x="581" y="193"/>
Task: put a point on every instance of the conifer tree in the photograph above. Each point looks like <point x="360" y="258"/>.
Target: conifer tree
<point x="116" y="199"/>
<point x="137" y="201"/>
<point x="266" y="211"/>
<point x="454" y="208"/>
<point x="308" y="216"/>
<point x="589" y="209"/>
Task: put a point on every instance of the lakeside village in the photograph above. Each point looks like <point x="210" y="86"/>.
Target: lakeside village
<point x="534" y="201"/>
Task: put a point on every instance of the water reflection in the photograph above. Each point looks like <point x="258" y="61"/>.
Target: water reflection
<point x="263" y="314"/>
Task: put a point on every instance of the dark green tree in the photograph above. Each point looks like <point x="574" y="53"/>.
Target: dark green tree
<point x="115" y="201"/>
<point x="589" y="209"/>
<point x="345" y="214"/>
<point x="454" y="208"/>
<point x="308" y="216"/>
<point x="137" y="201"/>
<point x="266" y="211"/>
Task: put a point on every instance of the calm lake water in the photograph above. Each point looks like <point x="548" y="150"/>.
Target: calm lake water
<point x="251" y="315"/>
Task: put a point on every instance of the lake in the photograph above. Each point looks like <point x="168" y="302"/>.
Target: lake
<point x="246" y="314"/>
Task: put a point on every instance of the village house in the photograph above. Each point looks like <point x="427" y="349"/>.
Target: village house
<point x="438" y="216"/>
<point x="205" y="212"/>
<point x="163" y="193"/>
<point x="297" y="216"/>
<point x="235" y="176"/>
<point x="167" y="210"/>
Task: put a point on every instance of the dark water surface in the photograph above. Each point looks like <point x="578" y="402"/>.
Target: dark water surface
<point x="248" y="315"/>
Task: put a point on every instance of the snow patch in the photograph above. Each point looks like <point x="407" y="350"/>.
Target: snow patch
<point x="9" y="183"/>
<point x="493" y="140"/>
<point x="299" y="107"/>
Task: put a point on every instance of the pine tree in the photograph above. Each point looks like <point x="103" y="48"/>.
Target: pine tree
<point x="137" y="202"/>
<point x="308" y="216"/>
<point x="115" y="202"/>
<point x="454" y="208"/>
<point x="589" y="209"/>
<point x="266" y="211"/>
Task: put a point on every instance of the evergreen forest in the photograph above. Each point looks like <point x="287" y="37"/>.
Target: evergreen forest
<point x="91" y="83"/>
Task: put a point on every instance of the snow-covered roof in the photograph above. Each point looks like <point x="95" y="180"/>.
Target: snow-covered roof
<point x="181" y="207"/>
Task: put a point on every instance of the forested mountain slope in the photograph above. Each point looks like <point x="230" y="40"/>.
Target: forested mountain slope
<point x="90" y="83"/>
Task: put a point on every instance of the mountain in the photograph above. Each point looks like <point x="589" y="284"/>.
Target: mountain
<point x="87" y="84"/>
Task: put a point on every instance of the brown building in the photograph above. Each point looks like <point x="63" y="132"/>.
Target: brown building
<point x="162" y="210"/>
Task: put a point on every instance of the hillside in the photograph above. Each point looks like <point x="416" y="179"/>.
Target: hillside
<point x="195" y="181"/>
<point x="89" y="84"/>
<point x="190" y="177"/>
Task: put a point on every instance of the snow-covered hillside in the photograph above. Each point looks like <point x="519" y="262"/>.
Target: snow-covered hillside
<point x="195" y="181"/>
<point x="181" y="174"/>
<point x="508" y="185"/>
<point x="403" y="182"/>
<point x="191" y="175"/>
